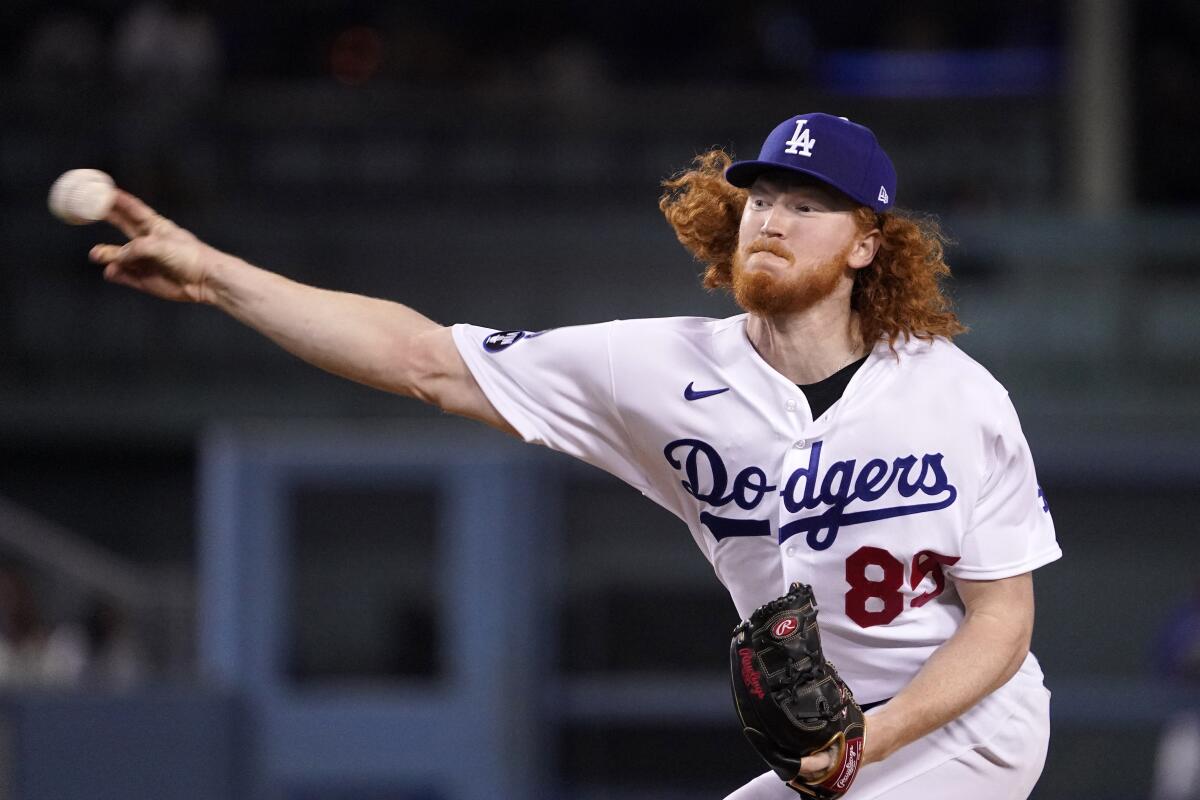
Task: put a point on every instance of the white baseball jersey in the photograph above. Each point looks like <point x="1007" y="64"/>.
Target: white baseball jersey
<point x="920" y="471"/>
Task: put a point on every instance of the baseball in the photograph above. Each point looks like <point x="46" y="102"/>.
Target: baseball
<point x="82" y="196"/>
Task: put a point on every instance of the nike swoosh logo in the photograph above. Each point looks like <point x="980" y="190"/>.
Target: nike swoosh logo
<point x="691" y="394"/>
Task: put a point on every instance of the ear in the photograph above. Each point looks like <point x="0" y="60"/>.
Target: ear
<point x="864" y="248"/>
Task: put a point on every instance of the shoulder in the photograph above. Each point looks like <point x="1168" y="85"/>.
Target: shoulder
<point x="941" y="359"/>
<point x="671" y="331"/>
<point x="946" y="371"/>
<point x="675" y="325"/>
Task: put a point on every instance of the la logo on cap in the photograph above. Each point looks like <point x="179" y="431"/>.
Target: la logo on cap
<point x="801" y="143"/>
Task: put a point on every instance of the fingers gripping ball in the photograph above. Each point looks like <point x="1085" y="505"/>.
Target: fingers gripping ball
<point x="790" y="699"/>
<point x="82" y="196"/>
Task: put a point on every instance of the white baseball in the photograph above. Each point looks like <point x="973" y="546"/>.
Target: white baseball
<point x="82" y="196"/>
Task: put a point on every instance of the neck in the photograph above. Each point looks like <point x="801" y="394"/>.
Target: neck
<point x="807" y="346"/>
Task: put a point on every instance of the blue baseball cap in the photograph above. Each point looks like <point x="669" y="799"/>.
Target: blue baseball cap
<point x="834" y="150"/>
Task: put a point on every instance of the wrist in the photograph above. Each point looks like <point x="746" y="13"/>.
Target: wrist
<point x="217" y="283"/>
<point x="879" y="737"/>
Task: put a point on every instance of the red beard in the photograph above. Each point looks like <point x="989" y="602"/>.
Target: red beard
<point x="761" y="292"/>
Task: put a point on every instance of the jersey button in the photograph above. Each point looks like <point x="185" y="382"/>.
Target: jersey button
<point x="790" y="405"/>
<point x="790" y="551"/>
<point x="800" y="444"/>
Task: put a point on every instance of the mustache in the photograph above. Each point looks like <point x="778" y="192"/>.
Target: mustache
<point x="770" y="246"/>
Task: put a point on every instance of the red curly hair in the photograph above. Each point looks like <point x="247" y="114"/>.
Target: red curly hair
<point x="900" y="292"/>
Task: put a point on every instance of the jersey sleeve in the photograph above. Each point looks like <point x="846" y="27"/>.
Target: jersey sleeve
<point x="556" y="388"/>
<point x="1010" y="530"/>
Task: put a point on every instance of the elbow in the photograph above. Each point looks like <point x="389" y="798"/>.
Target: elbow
<point x="1026" y="637"/>
<point x="1019" y="641"/>
<point x="1001" y="612"/>
<point x="1019" y="652"/>
<point x="1022" y="636"/>
<point x="1010" y="637"/>
<point x="423" y="370"/>
<point x="432" y="370"/>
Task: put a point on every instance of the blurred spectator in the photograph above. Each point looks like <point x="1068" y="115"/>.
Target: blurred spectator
<point x="1177" y="657"/>
<point x="1177" y="763"/>
<point x="22" y="634"/>
<point x="168" y="57"/>
<point x="173" y="47"/>
<point x="100" y="652"/>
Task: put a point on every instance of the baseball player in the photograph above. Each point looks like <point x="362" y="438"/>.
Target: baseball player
<point x="832" y="435"/>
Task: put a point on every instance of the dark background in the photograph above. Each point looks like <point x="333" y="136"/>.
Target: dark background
<point x="499" y="163"/>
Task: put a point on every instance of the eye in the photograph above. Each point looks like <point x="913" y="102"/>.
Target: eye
<point x="804" y="208"/>
<point x="757" y="203"/>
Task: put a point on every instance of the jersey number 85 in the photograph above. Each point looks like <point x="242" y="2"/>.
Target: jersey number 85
<point x="887" y="591"/>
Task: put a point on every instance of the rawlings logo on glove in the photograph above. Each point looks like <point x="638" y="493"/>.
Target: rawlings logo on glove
<point x="790" y="700"/>
<point x="750" y="676"/>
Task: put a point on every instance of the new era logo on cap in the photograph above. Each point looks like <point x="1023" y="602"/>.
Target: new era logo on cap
<point x="841" y="153"/>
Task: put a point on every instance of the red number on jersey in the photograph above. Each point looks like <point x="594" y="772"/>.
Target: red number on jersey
<point x="887" y="589"/>
<point x="862" y="588"/>
<point x="925" y="563"/>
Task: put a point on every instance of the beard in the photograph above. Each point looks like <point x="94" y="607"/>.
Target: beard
<point x="761" y="292"/>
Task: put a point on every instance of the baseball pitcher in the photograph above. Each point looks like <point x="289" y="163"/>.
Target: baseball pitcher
<point x="861" y="486"/>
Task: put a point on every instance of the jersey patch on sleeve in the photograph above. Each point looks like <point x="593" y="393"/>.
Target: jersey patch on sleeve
<point x="502" y="340"/>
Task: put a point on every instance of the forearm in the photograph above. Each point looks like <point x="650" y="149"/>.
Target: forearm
<point x="375" y="342"/>
<point x="985" y="652"/>
<point x="368" y="340"/>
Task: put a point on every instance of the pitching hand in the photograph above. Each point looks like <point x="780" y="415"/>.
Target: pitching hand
<point x="160" y="258"/>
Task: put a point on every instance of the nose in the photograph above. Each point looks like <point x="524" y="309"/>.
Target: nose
<point x="771" y="225"/>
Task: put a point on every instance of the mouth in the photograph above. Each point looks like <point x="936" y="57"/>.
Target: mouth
<point x="765" y="257"/>
<point x="769" y="248"/>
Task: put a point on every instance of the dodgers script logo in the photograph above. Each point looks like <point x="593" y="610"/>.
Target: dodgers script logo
<point x="838" y="486"/>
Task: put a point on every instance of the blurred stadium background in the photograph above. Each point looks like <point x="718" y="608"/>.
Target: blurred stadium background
<point x="224" y="574"/>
